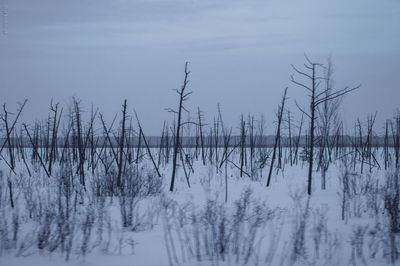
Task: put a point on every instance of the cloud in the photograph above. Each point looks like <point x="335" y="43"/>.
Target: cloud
<point x="58" y="47"/>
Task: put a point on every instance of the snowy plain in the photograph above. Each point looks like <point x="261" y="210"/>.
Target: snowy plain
<point x="165" y="231"/>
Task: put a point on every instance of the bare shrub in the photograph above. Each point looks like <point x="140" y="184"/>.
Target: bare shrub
<point x="357" y="240"/>
<point x="212" y="233"/>
<point x="302" y="209"/>
<point x="392" y="208"/>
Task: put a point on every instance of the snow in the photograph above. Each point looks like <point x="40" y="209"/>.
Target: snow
<point x="285" y="200"/>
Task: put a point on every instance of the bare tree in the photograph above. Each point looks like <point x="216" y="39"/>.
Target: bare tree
<point x="121" y="145"/>
<point x="242" y="144"/>
<point x="147" y="145"/>
<point x="183" y="96"/>
<point x="56" y="124"/>
<point x="81" y="148"/>
<point x="327" y="117"/>
<point x="311" y="82"/>
<point x="9" y="131"/>
<point x="199" y="114"/>
<point x="277" y="135"/>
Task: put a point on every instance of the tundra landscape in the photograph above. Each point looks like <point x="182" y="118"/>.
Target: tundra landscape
<point x="199" y="133"/>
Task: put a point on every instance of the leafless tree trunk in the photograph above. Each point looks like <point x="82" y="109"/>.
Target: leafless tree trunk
<point x="290" y="139"/>
<point x="9" y="131"/>
<point x="201" y="136"/>
<point x="183" y="96"/>
<point x="56" y="123"/>
<point x="35" y="150"/>
<point x="81" y="148"/>
<point x="147" y="146"/>
<point x="277" y="135"/>
<point x="121" y="145"/>
<point x="242" y="144"/>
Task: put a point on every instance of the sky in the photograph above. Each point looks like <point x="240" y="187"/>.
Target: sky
<point x="239" y="53"/>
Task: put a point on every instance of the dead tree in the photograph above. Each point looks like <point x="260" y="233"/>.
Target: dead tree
<point x="252" y="140"/>
<point x="80" y="143"/>
<point x="106" y="133"/>
<point x="298" y="139"/>
<point x="289" y="121"/>
<point x="147" y="146"/>
<point x="93" y="143"/>
<point x="14" y="122"/>
<point x="139" y="147"/>
<point x="183" y="96"/>
<point x="317" y="97"/>
<point x="161" y="152"/>
<point x="386" y="145"/>
<point x="121" y="145"/>
<point x="8" y="138"/>
<point x="395" y="128"/>
<point x="9" y="131"/>
<point x="277" y="135"/>
<point x="242" y="144"/>
<point x="35" y="149"/>
<point x="216" y="140"/>
<point x="201" y="136"/>
<point x="327" y="116"/>
<point x="56" y="124"/>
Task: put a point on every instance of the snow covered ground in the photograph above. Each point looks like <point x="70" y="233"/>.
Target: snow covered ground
<point x="257" y="225"/>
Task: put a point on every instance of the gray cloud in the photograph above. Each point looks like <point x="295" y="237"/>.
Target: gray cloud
<point x="240" y="52"/>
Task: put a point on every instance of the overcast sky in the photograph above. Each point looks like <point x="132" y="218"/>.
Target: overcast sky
<point x="239" y="52"/>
